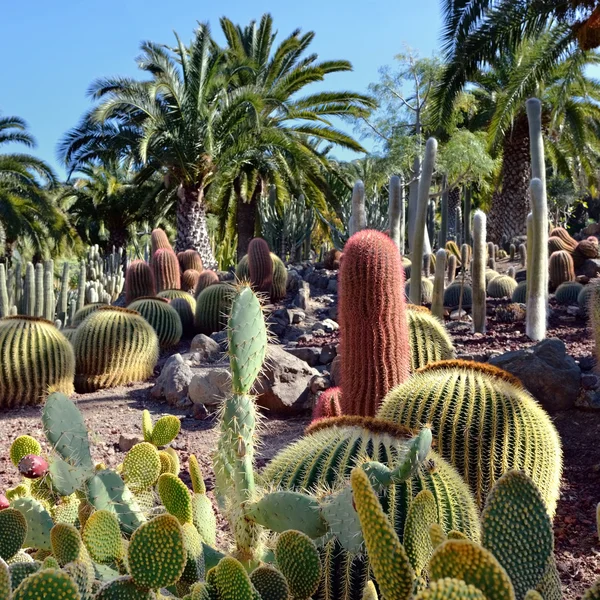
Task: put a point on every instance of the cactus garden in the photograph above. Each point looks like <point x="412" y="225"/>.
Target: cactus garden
<point x="235" y="366"/>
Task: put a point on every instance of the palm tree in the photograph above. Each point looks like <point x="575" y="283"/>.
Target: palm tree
<point x="26" y="204"/>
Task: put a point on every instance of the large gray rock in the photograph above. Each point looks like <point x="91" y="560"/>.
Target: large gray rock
<point x="547" y="371"/>
<point x="173" y="382"/>
<point x="210" y="385"/>
<point x="207" y="349"/>
<point x="590" y="268"/>
<point x="283" y="386"/>
<point x="309" y="354"/>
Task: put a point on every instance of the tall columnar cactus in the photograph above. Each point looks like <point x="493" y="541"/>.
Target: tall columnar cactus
<point x="37" y="360"/>
<point x="113" y="346"/>
<point x="420" y="216"/>
<point x="358" y="218"/>
<point x="374" y="333"/>
<point x="81" y="285"/>
<point x="260" y="265"/>
<point x="396" y="212"/>
<point x="63" y="298"/>
<point x="467" y="216"/>
<point x="212" y="307"/>
<point x="437" y="306"/>
<point x="4" y="306"/>
<point x="159" y="240"/>
<point x="429" y="340"/>
<point x="485" y="424"/>
<point x="443" y="236"/>
<point x="165" y="267"/>
<point x="478" y="275"/>
<point x="163" y="318"/>
<point x="561" y="268"/>
<point x="38" y="310"/>
<point x="139" y="281"/>
<point x="537" y="274"/>
<point x="536" y="142"/>
<point x="29" y="291"/>
<point x="592" y="300"/>
<point x="451" y="268"/>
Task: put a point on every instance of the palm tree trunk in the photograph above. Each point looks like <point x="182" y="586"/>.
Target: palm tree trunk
<point x="510" y="204"/>
<point x="192" y="231"/>
<point x="246" y="214"/>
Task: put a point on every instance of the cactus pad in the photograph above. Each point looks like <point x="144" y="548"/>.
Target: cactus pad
<point x="102" y="537"/>
<point x="232" y="581"/>
<point x="122" y="588"/>
<point x="49" y="583"/>
<point x="450" y="589"/>
<point x="66" y="543"/>
<point x="298" y="559"/>
<point x="165" y="430"/>
<point x="422" y="514"/>
<point x="13" y="528"/>
<point x="270" y="583"/>
<point x="39" y="522"/>
<point x="22" y="446"/>
<point x="175" y="497"/>
<point x="141" y="466"/>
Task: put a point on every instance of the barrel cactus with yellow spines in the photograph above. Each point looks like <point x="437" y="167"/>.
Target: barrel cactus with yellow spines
<point x="561" y="268"/>
<point x="429" y="340"/>
<point x="519" y="294"/>
<point x="242" y="270"/>
<point x="212" y="307"/>
<point x="37" y="360"/>
<point x="88" y="309"/>
<point x="452" y="295"/>
<point x="172" y="294"/>
<point x="190" y="259"/>
<point x="162" y="317"/>
<point x="485" y="423"/>
<point x="426" y="290"/>
<point x="189" y="280"/>
<point x="502" y="286"/>
<point x="112" y="347"/>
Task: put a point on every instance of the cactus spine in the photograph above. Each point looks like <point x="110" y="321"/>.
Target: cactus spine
<point x="437" y="306"/>
<point x="358" y="220"/>
<point x="374" y="332"/>
<point x="421" y="214"/>
<point x="537" y="278"/>
<point x="396" y="212"/>
<point x="478" y="275"/>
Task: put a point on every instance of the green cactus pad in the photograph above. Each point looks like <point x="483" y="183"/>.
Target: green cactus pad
<point x="66" y="510"/>
<point x="122" y="588"/>
<point x="165" y="430"/>
<point x="21" y="570"/>
<point x="450" y="589"/>
<point x="232" y="581"/>
<point x="66" y="478"/>
<point x="422" y="514"/>
<point x="198" y="485"/>
<point x="5" y="586"/>
<point x="338" y="511"/>
<point x="387" y="555"/>
<point x="167" y="464"/>
<point x="533" y="595"/>
<point x="102" y="537"/>
<point x="156" y="555"/>
<point x="13" y="532"/>
<point x="176" y="497"/>
<point x="298" y="559"/>
<point x="194" y="568"/>
<point x="270" y="583"/>
<point x="141" y="466"/>
<point x="147" y="426"/>
<point x="515" y="517"/>
<point x="204" y="518"/>
<point x="247" y="335"/>
<point x="18" y="491"/>
<point x="82" y="573"/>
<point x="66" y="543"/>
<point x="175" y="459"/>
<point x="22" y="446"/>
<point x="50" y="563"/>
<point x="436" y="535"/>
<point x="465" y="560"/>
<point x="39" y="523"/>
<point x="50" y="583"/>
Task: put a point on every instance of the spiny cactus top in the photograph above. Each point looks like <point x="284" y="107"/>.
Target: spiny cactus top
<point x="163" y="318"/>
<point x="374" y="335"/>
<point x="37" y="360"/>
<point x="158" y="240"/>
<point x="483" y="423"/>
<point x="190" y="259"/>
<point x="166" y="270"/>
<point x="139" y="281"/>
<point x="260" y="265"/>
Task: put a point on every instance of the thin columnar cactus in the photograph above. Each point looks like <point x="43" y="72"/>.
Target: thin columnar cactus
<point x="536" y="143"/>
<point x="437" y="306"/>
<point x="443" y="238"/>
<point x="478" y="274"/>
<point x="451" y="268"/>
<point x="38" y="310"/>
<point x="359" y="215"/>
<point x="49" y="299"/>
<point x="421" y="214"/>
<point x="4" y="307"/>
<point x="63" y="300"/>
<point x="374" y="333"/>
<point x="467" y="216"/>
<point x="29" y="290"/>
<point x="431" y="219"/>
<point x="396" y="209"/>
<point x="537" y="278"/>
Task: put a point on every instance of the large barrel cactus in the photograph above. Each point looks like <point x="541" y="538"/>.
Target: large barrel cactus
<point x="485" y="423"/>
<point x="501" y="287"/>
<point x="260" y="265"/>
<point x="163" y="318"/>
<point x="139" y="281"/>
<point x="325" y="457"/>
<point x="112" y="347"/>
<point x="190" y="259"/>
<point x="429" y="340"/>
<point x="37" y="359"/>
<point x="189" y="280"/>
<point x="166" y="270"/>
<point x="280" y="277"/>
<point x="88" y="309"/>
<point x="561" y="268"/>
<point x="212" y="307"/>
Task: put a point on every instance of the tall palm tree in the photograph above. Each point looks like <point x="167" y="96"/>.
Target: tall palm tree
<point x="26" y="204"/>
<point x="285" y="151"/>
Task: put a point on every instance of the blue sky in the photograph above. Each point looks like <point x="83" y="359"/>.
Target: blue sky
<point x="52" y="51"/>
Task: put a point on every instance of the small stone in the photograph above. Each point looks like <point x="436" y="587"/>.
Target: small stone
<point x="207" y="349"/>
<point x="332" y="286"/>
<point x="335" y="370"/>
<point x="319" y="383"/>
<point x="329" y="326"/>
<point x="306" y="338"/>
<point x="456" y="315"/>
<point x="302" y="298"/>
<point x="220" y="337"/>
<point x="319" y="332"/>
<point x="298" y="316"/>
<point x="589" y="381"/>
<point x="332" y="313"/>
<point x="583" y="279"/>
<point x="199" y="412"/>
<point x="328" y="353"/>
<point x="127" y="442"/>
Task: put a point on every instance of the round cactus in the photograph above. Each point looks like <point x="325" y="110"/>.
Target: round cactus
<point x="563" y="234"/>
<point x="165" y="267"/>
<point x="502" y="286"/>
<point x="584" y="250"/>
<point x="490" y="274"/>
<point x="141" y="466"/>
<point x="47" y="583"/>
<point x="426" y="290"/>
<point x="158" y="240"/>
<point x="520" y="293"/>
<point x="139" y="281"/>
<point x="212" y="308"/>
<point x="22" y="446"/>
<point x="280" y="277"/>
<point x="583" y="299"/>
<point x="189" y="280"/>
<point x="332" y="260"/>
<point x="328" y="404"/>
<point x="190" y="260"/>
<point x="298" y="558"/>
<point x="173" y="294"/>
<point x="374" y="345"/>
<point x="163" y="318"/>
<point x="260" y="265"/>
<point x="37" y="359"/>
<point x="429" y="340"/>
<point x="561" y="268"/>
<point x="452" y="295"/>
<point x="186" y="315"/>
<point x="242" y="271"/>
<point x="82" y="313"/>
<point x="206" y="278"/>
<point x="112" y="347"/>
<point x="489" y="424"/>
<point x="568" y="292"/>
<point x="556" y="244"/>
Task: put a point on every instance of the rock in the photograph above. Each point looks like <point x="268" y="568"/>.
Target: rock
<point x="127" y="442"/>
<point x="591" y="229"/>
<point x="173" y="381"/>
<point x="332" y="312"/>
<point x="332" y="286"/>
<point x="220" y="337"/>
<point x="319" y="383"/>
<point x="457" y="315"/>
<point x="582" y="279"/>
<point x="328" y="353"/>
<point x="589" y="381"/>
<point x="335" y="371"/>
<point x="521" y="275"/>
<point x="303" y="296"/>
<point x="327" y="325"/>
<point x="294" y="281"/>
<point x="590" y="268"/>
<point x="547" y="371"/>
<point x="200" y="412"/>
<point x="306" y="338"/>
<point x="320" y="279"/>
<point x="283" y="386"/>
<point x="207" y="348"/>
<point x="283" y="316"/>
<point x="309" y="354"/>
<point x="298" y="316"/>
<point x="210" y="385"/>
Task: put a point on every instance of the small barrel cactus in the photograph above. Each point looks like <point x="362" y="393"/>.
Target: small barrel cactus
<point x="112" y="347"/>
<point x="166" y="270"/>
<point x="429" y="340"/>
<point x="520" y="293"/>
<point x="489" y="275"/>
<point x="212" y="307"/>
<point x="260" y="265"/>
<point x="452" y="295"/>
<point x="556" y="244"/>
<point x="163" y="318"/>
<point x="189" y="280"/>
<point x="190" y="259"/>
<point x="501" y="287"/>
<point x="159" y="240"/>
<point x="280" y="277"/>
<point x="82" y="313"/>
<point x="139" y="281"/>
<point x="426" y="290"/>
<point x="328" y="404"/>
<point x="560" y="268"/>
<point x="206" y="278"/>
<point x="563" y="234"/>
<point x="584" y="250"/>
<point x="37" y="359"/>
<point x="568" y="292"/>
